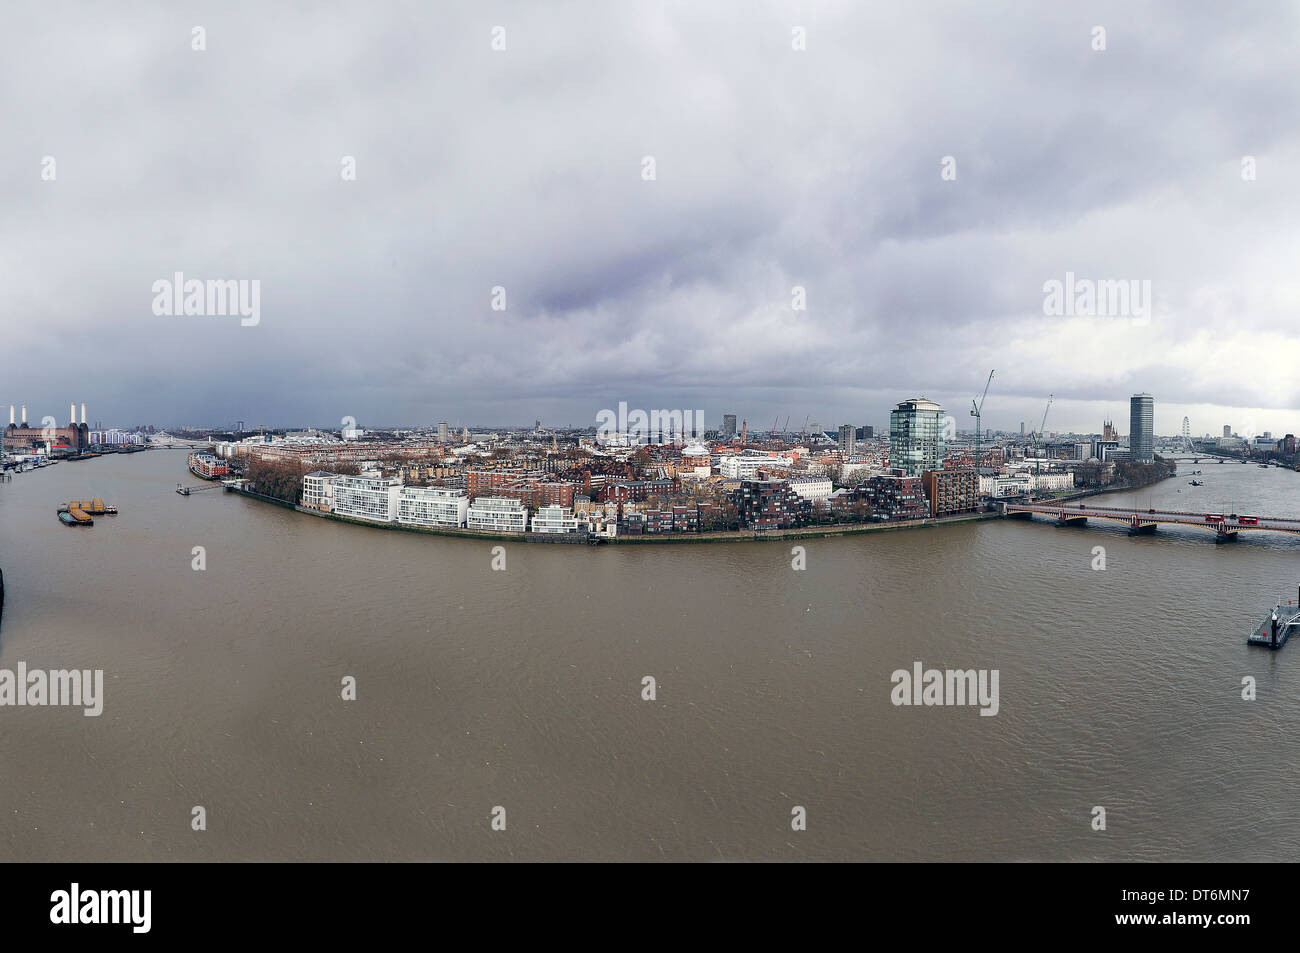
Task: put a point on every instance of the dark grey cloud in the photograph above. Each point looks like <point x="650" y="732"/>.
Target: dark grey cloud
<point x="775" y="168"/>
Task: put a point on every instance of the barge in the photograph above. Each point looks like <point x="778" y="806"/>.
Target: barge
<point x="95" y="507"/>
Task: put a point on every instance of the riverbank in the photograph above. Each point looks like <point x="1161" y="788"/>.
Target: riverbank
<point x="728" y="536"/>
<point x="1100" y="491"/>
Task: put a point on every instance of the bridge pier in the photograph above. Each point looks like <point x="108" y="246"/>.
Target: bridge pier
<point x="1072" y="521"/>
<point x="1225" y="535"/>
<point x="1142" y="529"/>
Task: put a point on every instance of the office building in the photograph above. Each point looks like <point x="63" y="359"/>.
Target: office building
<point x="847" y="440"/>
<point x="916" y="438"/>
<point x="728" y="426"/>
<point x="1141" y="435"/>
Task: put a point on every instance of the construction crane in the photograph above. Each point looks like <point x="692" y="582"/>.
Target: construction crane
<point x="772" y="436"/>
<point x="785" y="431"/>
<point x="975" y="410"/>
<point x="804" y="435"/>
<point x="1041" y="426"/>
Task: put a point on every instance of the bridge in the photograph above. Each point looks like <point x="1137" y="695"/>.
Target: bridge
<point x="1224" y="526"/>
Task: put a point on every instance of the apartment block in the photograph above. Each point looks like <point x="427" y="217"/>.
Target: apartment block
<point x="555" y="519"/>
<point x="318" y="490"/>
<point x="895" y="497"/>
<point x="951" y="491"/>
<point x="771" y="504"/>
<point x="497" y="514"/>
<point x="432" y="506"/>
<point x="372" y="498"/>
<point x="814" y="489"/>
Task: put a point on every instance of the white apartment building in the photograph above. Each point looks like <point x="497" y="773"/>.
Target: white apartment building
<point x="432" y="506"/>
<point x="318" y="490"/>
<point x="367" y="498"/>
<point x="816" y="489"/>
<point x="744" y="467"/>
<point x="1022" y="484"/>
<point x="1052" y="481"/>
<point x="497" y="514"/>
<point x="555" y="519"/>
<point x="1000" y="487"/>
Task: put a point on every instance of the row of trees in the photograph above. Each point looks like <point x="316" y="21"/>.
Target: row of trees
<point x="278" y="479"/>
<point x="1142" y="474"/>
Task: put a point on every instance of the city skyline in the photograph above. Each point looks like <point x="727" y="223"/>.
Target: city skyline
<point x="1250" y="426"/>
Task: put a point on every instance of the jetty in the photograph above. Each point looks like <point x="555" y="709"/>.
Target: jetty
<point x="1277" y="626"/>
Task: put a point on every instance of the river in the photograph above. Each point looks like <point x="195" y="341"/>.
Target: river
<point x="522" y="689"/>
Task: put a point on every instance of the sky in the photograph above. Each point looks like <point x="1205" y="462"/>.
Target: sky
<point x="922" y="171"/>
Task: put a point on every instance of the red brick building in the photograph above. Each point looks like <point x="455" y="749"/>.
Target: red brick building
<point x="951" y="491"/>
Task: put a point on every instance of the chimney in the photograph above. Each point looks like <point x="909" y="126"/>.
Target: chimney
<point x="72" y="415"/>
<point x="24" y="415"/>
<point x="83" y="413"/>
<point x="11" y="415"/>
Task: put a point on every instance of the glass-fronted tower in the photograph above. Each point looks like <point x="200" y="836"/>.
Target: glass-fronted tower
<point x="728" y="426"/>
<point x="1141" y="432"/>
<point x="916" y="439"/>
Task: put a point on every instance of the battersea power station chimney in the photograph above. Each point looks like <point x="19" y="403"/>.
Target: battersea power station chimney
<point x="72" y="414"/>
<point x="83" y="413"/>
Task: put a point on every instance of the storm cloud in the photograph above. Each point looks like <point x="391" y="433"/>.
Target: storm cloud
<point x="775" y="167"/>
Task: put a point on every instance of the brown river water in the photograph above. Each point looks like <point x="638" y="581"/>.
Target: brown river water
<point x="522" y="689"/>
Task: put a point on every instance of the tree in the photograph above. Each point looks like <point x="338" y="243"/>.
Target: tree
<point x="278" y="479"/>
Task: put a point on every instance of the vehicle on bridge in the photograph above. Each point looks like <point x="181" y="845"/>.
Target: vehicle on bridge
<point x="1214" y="517"/>
<point x="1248" y="520"/>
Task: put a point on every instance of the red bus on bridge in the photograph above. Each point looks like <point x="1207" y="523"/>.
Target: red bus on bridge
<point x="1248" y="520"/>
<point x="1214" y="517"/>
